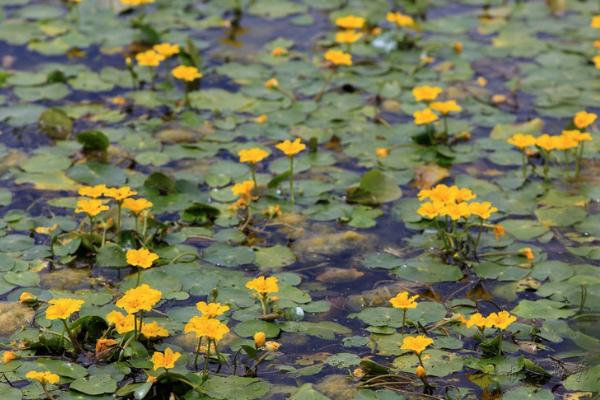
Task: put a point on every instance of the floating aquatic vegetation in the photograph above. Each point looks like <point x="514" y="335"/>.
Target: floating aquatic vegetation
<point x="299" y="199"/>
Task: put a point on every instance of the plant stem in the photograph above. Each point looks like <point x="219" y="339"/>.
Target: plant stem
<point x="292" y="198"/>
<point x="197" y="353"/>
<point x="253" y="172"/>
<point x="578" y="157"/>
<point x="479" y="234"/>
<point x="207" y="357"/>
<point x="118" y="223"/>
<point x="71" y="337"/>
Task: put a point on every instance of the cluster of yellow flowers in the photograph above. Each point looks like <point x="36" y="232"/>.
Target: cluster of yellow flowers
<point x="135" y="302"/>
<point x="400" y="19"/>
<point x="135" y="3"/>
<point x="43" y="377"/>
<point x="452" y="202"/>
<point x="569" y="141"/>
<point x="500" y="320"/>
<point x="207" y="327"/>
<point x="160" y="52"/>
<point x="252" y="156"/>
<point x="350" y="31"/>
<point x="596" y="25"/>
<point x="428" y="94"/>
<point x="96" y="199"/>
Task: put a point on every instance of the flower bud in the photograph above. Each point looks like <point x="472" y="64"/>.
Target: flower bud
<point x="358" y="373"/>
<point x="421" y="373"/>
<point x="272" y="346"/>
<point x="259" y="339"/>
<point x="9" y="356"/>
<point x="27" y="298"/>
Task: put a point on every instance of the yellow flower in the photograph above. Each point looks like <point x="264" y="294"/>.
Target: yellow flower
<point x="399" y="19"/>
<point x="165" y="360"/>
<point x="426" y="93"/>
<point x="430" y="210"/>
<point x="92" y="191"/>
<point x="122" y="323"/>
<point x="338" y="57"/>
<point x="153" y="330"/>
<point x="584" y="119"/>
<point x="118" y="101"/>
<point x="476" y="319"/>
<point x="149" y="58"/>
<point x="243" y="189"/>
<point x="446" y="107"/>
<point x="91" y="207"/>
<point x="261" y="119"/>
<point x="206" y="327"/>
<point x="46" y="230"/>
<point x="62" y="308"/>
<point x="142" y="258"/>
<point x="279" y="51"/>
<point x="290" y="148"/>
<point x="404" y="300"/>
<point x="9" y="356"/>
<point x="481" y="81"/>
<point x="483" y="210"/>
<point x="500" y="320"/>
<point x="565" y="142"/>
<point x="456" y="211"/>
<point x="350" y="22"/>
<point x="27" y="297"/>
<point x="136" y="206"/>
<point x="446" y="194"/>
<point x="263" y="285"/>
<point x="259" y="339"/>
<point x="253" y="155"/>
<point x="186" y="73"/>
<point x="272" y="346"/>
<point x="596" y="60"/>
<point x="166" y="49"/>
<point x="595" y="22"/>
<point x="382" y="152"/>
<point x="43" y="377"/>
<point x="272" y="83"/>
<point x="347" y="36"/>
<point x="545" y="142"/>
<point x="521" y="140"/>
<point x="211" y="310"/>
<point x="577" y="136"/>
<point x="458" y="47"/>
<point x="135" y="3"/>
<point x="119" y="194"/>
<point x="499" y="231"/>
<point x="358" y="373"/>
<point x="527" y="253"/>
<point x="425" y="117"/>
<point x="416" y="343"/>
<point x="141" y="298"/>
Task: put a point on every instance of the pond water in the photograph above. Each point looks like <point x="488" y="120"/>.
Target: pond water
<point x="92" y="92"/>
